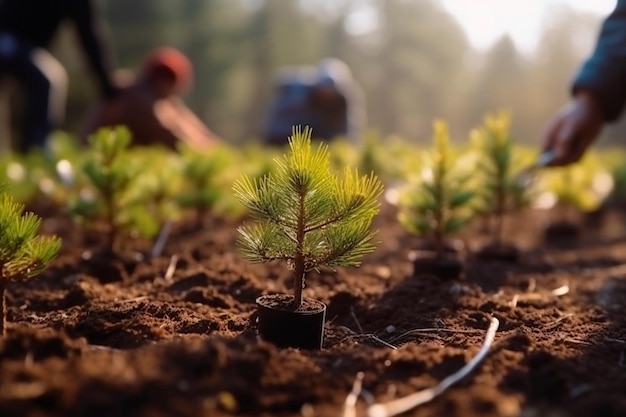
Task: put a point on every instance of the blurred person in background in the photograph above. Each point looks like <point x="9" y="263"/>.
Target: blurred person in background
<point x="325" y="98"/>
<point x="149" y="104"/>
<point x="598" y="94"/>
<point x="27" y="28"/>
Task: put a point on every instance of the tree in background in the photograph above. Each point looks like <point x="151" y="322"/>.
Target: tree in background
<point x="414" y="63"/>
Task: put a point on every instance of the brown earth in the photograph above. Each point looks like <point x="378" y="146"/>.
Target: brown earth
<point x="122" y="338"/>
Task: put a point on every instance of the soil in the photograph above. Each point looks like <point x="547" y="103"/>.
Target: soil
<point x="172" y="336"/>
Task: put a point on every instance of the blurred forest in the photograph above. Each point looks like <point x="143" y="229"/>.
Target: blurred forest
<point x="415" y="65"/>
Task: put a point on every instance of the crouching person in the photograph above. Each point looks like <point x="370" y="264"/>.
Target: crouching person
<point x="149" y="103"/>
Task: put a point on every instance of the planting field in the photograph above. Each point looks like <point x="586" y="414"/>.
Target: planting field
<point x="172" y="336"/>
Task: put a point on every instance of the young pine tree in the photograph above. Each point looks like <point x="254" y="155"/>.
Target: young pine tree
<point x="438" y="204"/>
<point x="23" y="254"/>
<point x="500" y="190"/>
<point x="111" y="173"/>
<point x="306" y="215"/>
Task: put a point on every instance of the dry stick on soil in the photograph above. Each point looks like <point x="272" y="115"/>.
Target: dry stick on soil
<point x="349" y="409"/>
<point x="171" y="268"/>
<point x="557" y="321"/>
<point x="356" y="320"/>
<point x="401" y="405"/>
<point x="430" y="330"/>
<point x="369" y="336"/>
<point x="557" y="292"/>
<point x="159" y="245"/>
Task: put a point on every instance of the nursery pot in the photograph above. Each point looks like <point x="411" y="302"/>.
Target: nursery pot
<point x="562" y="233"/>
<point x="278" y="323"/>
<point x="501" y="252"/>
<point x="446" y="267"/>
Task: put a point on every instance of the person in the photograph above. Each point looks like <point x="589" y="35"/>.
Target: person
<point x="598" y="95"/>
<point x="325" y="98"/>
<point x="149" y="104"/>
<point x="27" y="27"/>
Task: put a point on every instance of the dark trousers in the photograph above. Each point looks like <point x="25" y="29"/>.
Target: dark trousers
<point x="44" y="83"/>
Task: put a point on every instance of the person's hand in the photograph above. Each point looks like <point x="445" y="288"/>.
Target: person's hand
<point x="570" y="132"/>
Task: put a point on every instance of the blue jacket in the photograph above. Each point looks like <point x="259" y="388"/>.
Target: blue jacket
<point x="604" y="73"/>
<point x="295" y="103"/>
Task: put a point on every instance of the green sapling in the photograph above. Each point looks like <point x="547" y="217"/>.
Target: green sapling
<point x="498" y="177"/>
<point x="23" y="253"/>
<point x="438" y="204"/>
<point x="111" y="173"/>
<point x="305" y="214"/>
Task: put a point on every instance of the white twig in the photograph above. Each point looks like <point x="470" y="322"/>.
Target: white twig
<point x="157" y="249"/>
<point x="562" y="290"/>
<point x="577" y="341"/>
<point x="171" y="268"/>
<point x="381" y="341"/>
<point x="349" y="408"/>
<point x="401" y="405"/>
<point x="358" y="325"/>
<point x="557" y="292"/>
<point x="133" y="300"/>
<point x="369" y="336"/>
<point x="557" y="321"/>
<point x="431" y="330"/>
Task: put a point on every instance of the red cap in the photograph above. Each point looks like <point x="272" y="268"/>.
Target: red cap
<point x="170" y="60"/>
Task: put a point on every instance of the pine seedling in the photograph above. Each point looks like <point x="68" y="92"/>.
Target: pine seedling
<point x="572" y="189"/>
<point x="306" y="215"/>
<point x="23" y="253"/>
<point x="500" y="191"/>
<point x="618" y="191"/>
<point x="438" y="204"/>
<point x="202" y="171"/>
<point x="110" y="172"/>
<point x="150" y="201"/>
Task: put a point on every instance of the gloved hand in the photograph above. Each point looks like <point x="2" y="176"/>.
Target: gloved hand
<point x="573" y="128"/>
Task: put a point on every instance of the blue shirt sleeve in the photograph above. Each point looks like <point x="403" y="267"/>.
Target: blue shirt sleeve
<point x="604" y="73"/>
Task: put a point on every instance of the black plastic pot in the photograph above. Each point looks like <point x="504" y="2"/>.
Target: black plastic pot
<point x="502" y="252"/>
<point x="279" y="324"/>
<point x="562" y="233"/>
<point x="447" y="267"/>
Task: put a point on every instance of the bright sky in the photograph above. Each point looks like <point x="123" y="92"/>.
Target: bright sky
<point x="486" y="20"/>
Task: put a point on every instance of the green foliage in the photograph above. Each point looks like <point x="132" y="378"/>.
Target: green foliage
<point x="29" y="176"/>
<point x="112" y="195"/>
<point x="306" y="215"/>
<point x="151" y="198"/>
<point x="579" y="187"/>
<point x="204" y="185"/>
<point x="392" y="158"/>
<point x="497" y="168"/>
<point x="437" y="204"/>
<point x="618" y="192"/>
<point x="23" y="253"/>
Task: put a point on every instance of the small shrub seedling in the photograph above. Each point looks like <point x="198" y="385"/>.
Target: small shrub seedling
<point x="111" y="173"/>
<point x="574" y="191"/>
<point x="437" y="204"/>
<point x="500" y="190"/>
<point x="23" y="253"/>
<point x="306" y="215"/>
<point x="202" y="171"/>
<point x="151" y="198"/>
